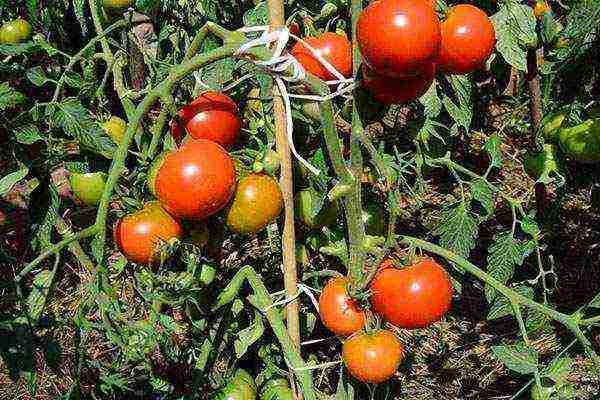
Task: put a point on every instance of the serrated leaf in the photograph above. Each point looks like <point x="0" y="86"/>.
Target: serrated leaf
<point x="79" y="7"/>
<point x="501" y="306"/>
<point x="517" y="357"/>
<point x="483" y="194"/>
<point x="9" y="97"/>
<point x="530" y="227"/>
<point x="37" y="76"/>
<point x="460" y="110"/>
<point x="493" y="147"/>
<point x="515" y="32"/>
<point x="248" y="336"/>
<point x="44" y="231"/>
<point x="27" y="134"/>
<point x="559" y="370"/>
<point x="39" y="294"/>
<point x="457" y="230"/>
<point x="10" y="180"/>
<point x="431" y="101"/>
<point x="17" y="49"/>
<point x="503" y="256"/>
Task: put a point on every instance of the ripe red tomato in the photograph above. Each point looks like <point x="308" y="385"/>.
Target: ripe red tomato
<point x="397" y="90"/>
<point x="468" y="39"/>
<point x="213" y="116"/>
<point x="258" y="200"/>
<point x="373" y="357"/>
<point x="399" y="38"/>
<point x="334" y="48"/>
<point x="412" y="297"/>
<point x="339" y="312"/>
<point x="196" y="181"/>
<point x="141" y="234"/>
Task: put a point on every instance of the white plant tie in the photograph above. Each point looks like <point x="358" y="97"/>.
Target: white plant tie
<point x="279" y="66"/>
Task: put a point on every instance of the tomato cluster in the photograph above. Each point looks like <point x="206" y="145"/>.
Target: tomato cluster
<point x="412" y="297"/>
<point x="197" y="180"/>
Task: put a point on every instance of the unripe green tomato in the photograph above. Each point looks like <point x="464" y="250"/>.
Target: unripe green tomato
<point x="277" y="389"/>
<point x="115" y="128"/>
<point x="271" y="162"/>
<point x="582" y="142"/>
<point x="153" y="172"/>
<point x="88" y="188"/>
<point x="117" y="4"/>
<point x="374" y="219"/>
<point x="545" y="160"/>
<point x="15" y="31"/>
<point x="240" y="387"/>
<point x="303" y="205"/>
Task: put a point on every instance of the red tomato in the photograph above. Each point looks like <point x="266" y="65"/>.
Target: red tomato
<point x="397" y="90"/>
<point x="197" y="180"/>
<point x="373" y="357"/>
<point x="213" y="116"/>
<point x="141" y="234"/>
<point x="412" y="297"/>
<point x="339" y="312"/>
<point x="468" y="39"/>
<point x="334" y="48"/>
<point x="399" y="38"/>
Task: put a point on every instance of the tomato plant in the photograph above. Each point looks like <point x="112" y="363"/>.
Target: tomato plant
<point x="333" y="47"/>
<point x="256" y="203"/>
<point x="212" y="116"/>
<point x="412" y="297"/>
<point x="196" y="181"/>
<point x="468" y="39"/>
<point x="140" y="235"/>
<point x="373" y="357"/>
<point x="305" y="210"/>
<point x="16" y="31"/>
<point x="340" y="313"/>
<point x="277" y="389"/>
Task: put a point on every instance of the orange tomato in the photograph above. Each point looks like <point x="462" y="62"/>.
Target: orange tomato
<point x="373" y="357"/>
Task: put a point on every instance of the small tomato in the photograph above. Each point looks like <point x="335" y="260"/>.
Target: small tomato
<point x="373" y="357"/>
<point x="88" y="188"/>
<point x="338" y="311"/>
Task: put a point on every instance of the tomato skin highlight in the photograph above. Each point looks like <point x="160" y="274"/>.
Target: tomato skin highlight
<point x="212" y="116"/>
<point x="412" y="297"/>
<point x="338" y="311"/>
<point x="468" y="40"/>
<point x="141" y="234"/>
<point x="373" y="357"/>
<point x="196" y="181"/>
<point x="399" y="38"/>
<point x="16" y="31"/>
<point x="258" y="201"/>
<point x="334" y="48"/>
<point x="397" y="90"/>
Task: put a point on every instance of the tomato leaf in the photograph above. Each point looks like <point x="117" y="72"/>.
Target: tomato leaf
<point x="457" y="230"/>
<point x="515" y="32"/>
<point x="559" y="370"/>
<point x="10" y="180"/>
<point x="501" y="306"/>
<point x="248" y="336"/>
<point x="27" y="134"/>
<point x="517" y="357"/>
<point x="492" y="146"/>
<point x="39" y="294"/>
<point x="483" y="194"/>
<point x="37" y="76"/>
<point x="9" y="97"/>
<point x="503" y="256"/>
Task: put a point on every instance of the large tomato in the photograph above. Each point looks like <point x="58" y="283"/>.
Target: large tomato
<point x="115" y="128"/>
<point x="88" y="188"/>
<point x="468" y="39"/>
<point x="338" y="311"/>
<point x="258" y="200"/>
<point x="397" y="90"/>
<point x="213" y="116"/>
<point x="197" y="180"/>
<point x="412" y="297"/>
<point x="240" y="387"/>
<point x="399" y="38"/>
<point x="334" y="48"/>
<point x="373" y="357"/>
<point x="15" y="31"/>
<point x="303" y="208"/>
<point x="140" y="235"/>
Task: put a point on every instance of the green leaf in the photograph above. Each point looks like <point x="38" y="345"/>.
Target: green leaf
<point x="44" y="231"/>
<point x="10" y="180"/>
<point x="462" y="110"/>
<point x="9" y="97"/>
<point x="595" y="303"/>
<point x="37" y="76"/>
<point x="248" y="336"/>
<point x="503" y="256"/>
<point x="27" y="134"/>
<point x="79" y="7"/>
<point x="530" y="227"/>
<point x="431" y="101"/>
<point x="39" y="294"/>
<point x="559" y="370"/>
<point x="259" y="15"/>
<point x="517" y="357"/>
<point x="493" y="147"/>
<point x="515" y="32"/>
<point x="483" y="194"/>
<point x="501" y="306"/>
<point x="457" y="230"/>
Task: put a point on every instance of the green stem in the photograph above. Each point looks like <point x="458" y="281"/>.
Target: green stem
<point x="525" y="335"/>
<point x="157" y="129"/>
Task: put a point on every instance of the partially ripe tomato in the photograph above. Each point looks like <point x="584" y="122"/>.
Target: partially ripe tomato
<point x="213" y="116"/>
<point x="88" y="188"/>
<point x="399" y="38"/>
<point x="334" y="48"/>
<point x="115" y="128"/>
<point x="468" y="40"/>
<point x="339" y="312"/>
<point x="373" y="357"/>
<point x="258" y="201"/>
<point x="140" y="235"/>
<point x="117" y="4"/>
<point x="397" y="90"/>
<point x="540" y="8"/>
<point x="15" y="31"/>
<point x="197" y="180"/>
<point x="412" y="297"/>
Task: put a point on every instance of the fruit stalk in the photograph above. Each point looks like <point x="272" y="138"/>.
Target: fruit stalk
<point x="290" y="273"/>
